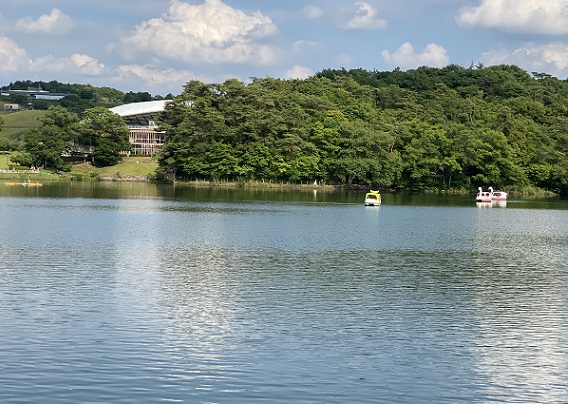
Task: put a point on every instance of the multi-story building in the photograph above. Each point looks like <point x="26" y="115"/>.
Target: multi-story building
<point x="140" y="117"/>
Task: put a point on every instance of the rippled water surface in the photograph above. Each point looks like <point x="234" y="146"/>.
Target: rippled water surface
<point x="179" y="298"/>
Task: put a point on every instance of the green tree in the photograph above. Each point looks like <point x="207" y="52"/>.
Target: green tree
<point x="424" y="128"/>
<point x="428" y="157"/>
<point x="60" y="117"/>
<point x="106" y="132"/>
<point x="47" y="143"/>
<point x="6" y="144"/>
<point x="21" y="158"/>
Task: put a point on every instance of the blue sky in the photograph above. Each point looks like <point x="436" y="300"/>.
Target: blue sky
<point x="159" y="45"/>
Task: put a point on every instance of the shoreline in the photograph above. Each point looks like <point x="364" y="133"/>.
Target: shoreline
<point x="46" y="176"/>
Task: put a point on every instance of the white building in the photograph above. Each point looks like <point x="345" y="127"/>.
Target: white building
<point x="141" y="117"/>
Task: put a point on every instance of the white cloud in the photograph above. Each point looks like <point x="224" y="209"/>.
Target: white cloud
<point x="12" y="57"/>
<point x="55" y="23"/>
<point x="550" y="58"/>
<point x="302" y="46"/>
<point x="298" y="72"/>
<point x="404" y="57"/>
<point x="81" y="65"/>
<point x="162" y="80"/>
<point x="365" y="18"/>
<point x="15" y="59"/>
<point x="87" y="65"/>
<point x="312" y="12"/>
<point x="212" y="32"/>
<point x="527" y="16"/>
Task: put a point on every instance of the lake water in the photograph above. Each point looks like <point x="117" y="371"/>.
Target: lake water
<point x="135" y="293"/>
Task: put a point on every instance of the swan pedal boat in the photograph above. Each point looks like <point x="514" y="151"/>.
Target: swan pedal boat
<point x="490" y="195"/>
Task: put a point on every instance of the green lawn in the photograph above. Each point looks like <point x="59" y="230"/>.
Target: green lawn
<point x="4" y="159"/>
<point x="130" y="167"/>
<point x="136" y="166"/>
<point x="17" y="122"/>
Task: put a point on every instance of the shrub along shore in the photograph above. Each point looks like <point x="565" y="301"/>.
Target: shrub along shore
<point x="142" y="169"/>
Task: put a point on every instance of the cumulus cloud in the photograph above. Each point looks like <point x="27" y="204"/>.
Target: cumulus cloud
<point x="550" y="58"/>
<point x="81" y="65"/>
<point x="212" y="32"/>
<point x="153" y="76"/>
<point x="55" y="23"/>
<point x="15" y="59"/>
<point x="298" y="72"/>
<point x="12" y="56"/>
<point x="149" y="76"/>
<point x="302" y="46"/>
<point x="365" y="18"/>
<point x="527" y="16"/>
<point x="86" y="64"/>
<point x="312" y="12"/>
<point x="404" y="57"/>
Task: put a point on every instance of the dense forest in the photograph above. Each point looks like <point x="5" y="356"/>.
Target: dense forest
<point x="428" y="128"/>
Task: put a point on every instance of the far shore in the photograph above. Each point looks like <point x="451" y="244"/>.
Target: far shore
<point x="142" y="169"/>
<point x="23" y="176"/>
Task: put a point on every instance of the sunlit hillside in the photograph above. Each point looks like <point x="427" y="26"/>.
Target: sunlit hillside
<point x="17" y="122"/>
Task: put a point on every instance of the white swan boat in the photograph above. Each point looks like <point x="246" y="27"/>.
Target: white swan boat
<point x="499" y="196"/>
<point x="484" y="196"/>
<point x="490" y="195"/>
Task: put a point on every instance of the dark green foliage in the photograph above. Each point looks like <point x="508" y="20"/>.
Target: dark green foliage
<point x="106" y="132"/>
<point x="80" y="98"/>
<point x="61" y="132"/>
<point x="45" y="145"/>
<point x="136" y="97"/>
<point x="105" y="154"/>
<point x="426" y="128"/>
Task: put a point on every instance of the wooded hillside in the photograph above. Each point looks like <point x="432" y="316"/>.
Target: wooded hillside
<point x="428" y="128"/>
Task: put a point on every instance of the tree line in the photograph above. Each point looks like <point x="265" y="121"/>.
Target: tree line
<point x="99" y="135"/>
<point x="427" y="128"/>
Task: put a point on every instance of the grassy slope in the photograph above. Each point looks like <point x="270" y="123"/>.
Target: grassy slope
<point x="130" y="168"/>
<point x="136" y="166"/>
<point x="18" y="122"/>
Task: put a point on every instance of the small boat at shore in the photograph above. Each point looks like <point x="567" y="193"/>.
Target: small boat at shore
<point x="24" y="184"/>
<point x="373" y="198"/>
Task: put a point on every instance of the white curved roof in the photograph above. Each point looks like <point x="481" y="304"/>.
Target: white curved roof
<point x="139" y="108"/>
<point x="140" y="113"/>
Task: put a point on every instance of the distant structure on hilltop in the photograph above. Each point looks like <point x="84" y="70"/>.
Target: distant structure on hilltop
<point x="36" y="94"/>
<point x="11" y="107"/>
<point x="140" y="118"/>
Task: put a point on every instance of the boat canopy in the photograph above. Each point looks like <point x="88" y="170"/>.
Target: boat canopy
<point x="372" y="194"/>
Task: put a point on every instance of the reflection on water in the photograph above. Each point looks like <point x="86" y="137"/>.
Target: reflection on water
<point x="150" y="299"/>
